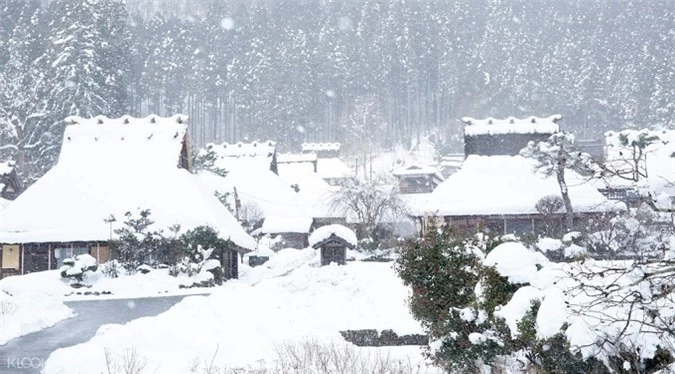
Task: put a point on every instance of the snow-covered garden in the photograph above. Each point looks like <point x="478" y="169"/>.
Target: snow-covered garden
<point x="289" y="304"/>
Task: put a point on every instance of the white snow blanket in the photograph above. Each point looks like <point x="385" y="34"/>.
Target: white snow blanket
<point x="289" y="299"/>
<point x="50" y="284"/>
<point x="26" y="313"/>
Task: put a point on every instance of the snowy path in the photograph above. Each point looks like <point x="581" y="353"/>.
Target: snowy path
<point x="28" y="353"/>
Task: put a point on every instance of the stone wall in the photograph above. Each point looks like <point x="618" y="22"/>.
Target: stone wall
<point x="384" y="338"/>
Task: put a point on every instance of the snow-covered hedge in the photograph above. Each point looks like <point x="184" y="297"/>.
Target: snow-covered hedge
<point x="481" y="300"/>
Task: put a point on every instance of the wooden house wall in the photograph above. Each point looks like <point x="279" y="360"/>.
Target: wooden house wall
<point x="34" y="257"/>
<point x="230" y="264"/>
<point x="295" y="240"/>
<point x="499" y="145"/>
<point x="333" y="253"/>
<point x="536" y="224"/>
<point x="417" y="184"/>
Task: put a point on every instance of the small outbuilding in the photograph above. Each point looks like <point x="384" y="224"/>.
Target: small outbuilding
<point x="333" y="240"/>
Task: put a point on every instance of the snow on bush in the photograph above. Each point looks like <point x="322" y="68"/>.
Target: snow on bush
<point x="81" y="270"/>
<point x="325" y="232"/>
<point x="555" y="317"/>
<point x="515" y="262"/>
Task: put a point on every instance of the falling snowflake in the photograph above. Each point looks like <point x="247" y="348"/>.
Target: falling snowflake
<point x="227" y="23"/>
<point x="345" y="23"/>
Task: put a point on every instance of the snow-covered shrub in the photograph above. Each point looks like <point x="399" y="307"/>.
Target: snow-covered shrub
<point x="111" y="269"/>
<point x="443" y="270"/>
<point x="637" y="233"/>
<point x="144" y="269"/>
<point x="511" y="304"/>
<point x="136" y="242"/>
<point x="79" y="270"/>
<point x="203" y="251"/>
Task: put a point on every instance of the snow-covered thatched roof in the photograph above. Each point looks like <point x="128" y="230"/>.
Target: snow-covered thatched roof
<point x="507" y="185"/>
<point x="244" y="155"/>
<point x="315" y="194"/>
<point x="289" y="158"/>
<point x="333" y="168"/>
<point x="258" y="189"/>
<point x="313" y="147"/>
<point x="512" y="125"/>
<point x="110" y="167"/>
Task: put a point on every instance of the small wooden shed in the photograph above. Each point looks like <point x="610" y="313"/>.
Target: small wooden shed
<point x="333" y="240"/>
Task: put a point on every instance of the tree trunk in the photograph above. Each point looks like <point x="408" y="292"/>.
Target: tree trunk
<point x="560" y="175"/>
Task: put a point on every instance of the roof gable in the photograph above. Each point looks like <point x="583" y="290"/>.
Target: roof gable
<point x="124" y="142"/>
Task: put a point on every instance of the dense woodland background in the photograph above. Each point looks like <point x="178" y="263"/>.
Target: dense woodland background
<point x="356" y="71"/>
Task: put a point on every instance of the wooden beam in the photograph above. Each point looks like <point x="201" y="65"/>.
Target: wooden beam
<point x="22" y="248"/>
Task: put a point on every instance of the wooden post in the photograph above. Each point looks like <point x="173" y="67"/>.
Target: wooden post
<point x="98" y="252"/>
<point x="71" y="250"/>
<point x="49" y="257"/>
<point x="22" y="248"/>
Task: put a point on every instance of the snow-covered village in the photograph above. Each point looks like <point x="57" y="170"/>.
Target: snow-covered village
<point x="337" y="186"/>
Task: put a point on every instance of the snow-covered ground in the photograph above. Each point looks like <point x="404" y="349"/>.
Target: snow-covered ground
<point x="288" y="300"/>
<point x="50" y="284"/>
<point x="29" y="312"/>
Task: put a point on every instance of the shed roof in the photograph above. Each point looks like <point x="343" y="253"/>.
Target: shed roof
<point x="110" y="167"/>
<point x="337" y="233"/>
